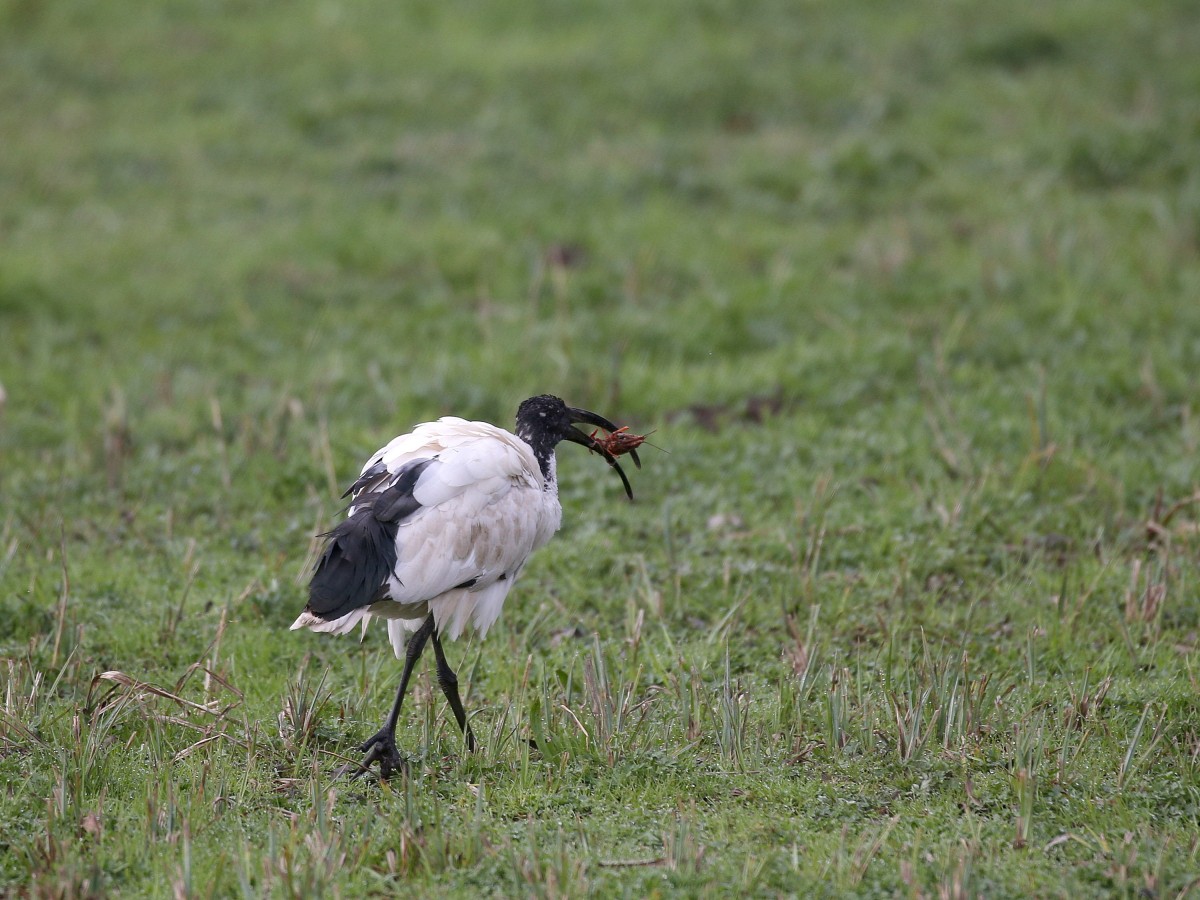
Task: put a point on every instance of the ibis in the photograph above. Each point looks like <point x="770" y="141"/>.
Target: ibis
<point x="440" y="524"/>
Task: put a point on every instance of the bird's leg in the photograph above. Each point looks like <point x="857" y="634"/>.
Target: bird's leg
<point x="382" y="745"/>
<point x="448" y="682"/>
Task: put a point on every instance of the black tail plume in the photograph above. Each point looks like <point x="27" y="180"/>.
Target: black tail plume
<point x="357" y="561"/>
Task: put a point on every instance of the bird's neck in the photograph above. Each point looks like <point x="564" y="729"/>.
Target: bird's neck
<point x="542" y="446"/>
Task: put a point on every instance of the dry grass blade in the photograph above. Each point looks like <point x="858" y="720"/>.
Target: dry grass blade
<point x="145" y="687"/>
<point x="10" y="724"/>
<point x="204" y="742"/>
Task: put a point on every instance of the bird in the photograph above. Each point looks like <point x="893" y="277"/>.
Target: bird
<point x="440" y="525"/>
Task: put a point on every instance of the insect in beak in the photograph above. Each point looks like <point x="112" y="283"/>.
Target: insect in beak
<point x="602" y="446"/>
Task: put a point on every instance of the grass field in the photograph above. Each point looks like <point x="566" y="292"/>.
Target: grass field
<point x="911" y="295"/>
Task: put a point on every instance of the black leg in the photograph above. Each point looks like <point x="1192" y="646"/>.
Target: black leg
<point x="449" y="684"/>
<point x="382" y="745"/>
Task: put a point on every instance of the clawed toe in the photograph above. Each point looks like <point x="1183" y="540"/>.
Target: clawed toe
<point x="379" y="748"/>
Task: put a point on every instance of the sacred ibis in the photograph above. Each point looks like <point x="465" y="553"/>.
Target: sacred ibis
<point x="441" y="522"/>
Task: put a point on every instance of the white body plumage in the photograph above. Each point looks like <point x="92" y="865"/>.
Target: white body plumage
<point x="440" y="525"/>
<point x="484" y="507"/>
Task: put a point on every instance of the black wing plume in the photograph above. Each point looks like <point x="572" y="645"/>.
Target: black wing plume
<point x="361" y="552"/>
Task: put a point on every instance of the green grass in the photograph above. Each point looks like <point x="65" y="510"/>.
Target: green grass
<point x="909" y="294"/>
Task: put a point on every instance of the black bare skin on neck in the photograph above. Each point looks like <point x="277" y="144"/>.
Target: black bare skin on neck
<point x="541" y="423"/>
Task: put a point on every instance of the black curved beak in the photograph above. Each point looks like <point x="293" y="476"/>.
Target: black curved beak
<point x="578" y="437"/>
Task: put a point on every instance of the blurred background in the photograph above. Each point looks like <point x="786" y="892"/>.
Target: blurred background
<point x="909" y="294"/>
<point x="371" y="214"/>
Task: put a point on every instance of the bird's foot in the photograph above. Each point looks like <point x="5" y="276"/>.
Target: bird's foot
<point x="380" y="748"/>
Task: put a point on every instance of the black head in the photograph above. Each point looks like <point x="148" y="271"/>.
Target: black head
<point x="544" y="421"/>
